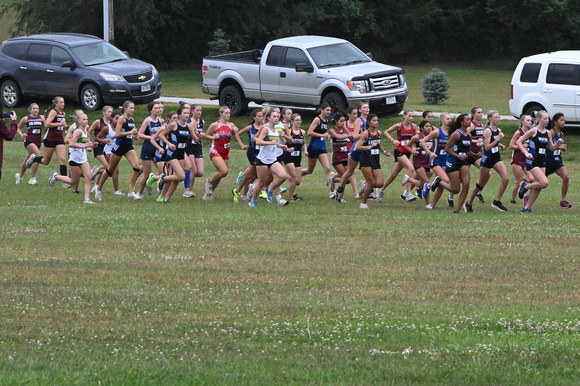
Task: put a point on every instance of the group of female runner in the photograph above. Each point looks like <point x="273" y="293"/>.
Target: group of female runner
<point x="275" y="148"/>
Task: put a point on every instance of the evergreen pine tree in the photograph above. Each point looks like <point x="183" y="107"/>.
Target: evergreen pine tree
<point x="435" y="86"/>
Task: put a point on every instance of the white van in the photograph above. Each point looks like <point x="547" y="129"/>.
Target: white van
<point x="550" y="82"/>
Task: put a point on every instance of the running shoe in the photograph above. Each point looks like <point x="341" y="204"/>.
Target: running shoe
<point x="188" y="194"/>
<point x="450" y="202"/>
<point x="263" y="195"/>
<point x="52" y="179"/>
<point x="330" y="183"/>
<point x="426" y="190"/>
<point x="282" y="189"/>
<point x="160" y="199"/>
<point x="457" y="211"/>
<point x="18" y="179"/>
<point x="282" y="202"/>
<point x="357" y="196"/>
<point x="363" y="206"/>
<point x="116" y="193"/>
<point x="404" y="195"/>
<point x="338" y="196"/>
<point x="236" y="194"/>
<point x="513" y="202"/>
<point x="522" y="190"/>
<point x="418" y="192"/>
<point x="410" y="197"/>
<point x="240" y="177"/>
<point x="207" y="197"/>
<point x="166" y="202"/>
<point x="372" y="197"/>
<point x="30" y="161"/>
<point x="94" y="173"/>
<point x="435" y="183"/>
<point x="150" y="180"/>
<point x="161" y="182"/>
<point x="137" y="196"/>
<point x="361" y="187"/>
<point x="131" y="195"/>
<point x="296" y="197"/>
<point x="269" y="194"/>
<point x="32" y="181"/>
<point x="207" y="186"/>
<point x="430" y="207"/>
<point x="250" y="191"/>
<point x="65" y="185"/>
<point x="88" y="201"/>
<point x="498" y="205"/>
<point x="565" y="204"/>
<point x="253" y="204"/>
<point x="148" y="190"/>
<point x="75" y="192"/>
<point x="405" y="179"/>
<point x="331" y="195"/>
<point x="480" y="198"/>
<point x="380" y="195"/>
<point x="98" y="195"/>
<point x="526" y="210"/>
<point x="468" y="208"/>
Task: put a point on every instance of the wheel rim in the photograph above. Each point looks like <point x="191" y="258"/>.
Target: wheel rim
<point x="9" y="95"/>
<point x="230" y="101"/>
<point x="90" y="98"/>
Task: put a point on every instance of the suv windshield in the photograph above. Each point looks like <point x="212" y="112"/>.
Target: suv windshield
<point x="98" y="53"/>
<point x="340" y="54"/>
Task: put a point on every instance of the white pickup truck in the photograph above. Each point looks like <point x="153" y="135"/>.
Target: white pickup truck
<point x="304" y="71"/>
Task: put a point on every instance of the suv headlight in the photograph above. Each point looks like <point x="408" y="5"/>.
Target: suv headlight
<point x="403" y="80"/>
<point x="111" y="77"/>
<point x="154" y="71"/>
<point x="358" y="85"/>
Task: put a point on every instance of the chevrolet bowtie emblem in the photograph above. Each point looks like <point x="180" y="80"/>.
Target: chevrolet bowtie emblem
<point x="142" y="77"/>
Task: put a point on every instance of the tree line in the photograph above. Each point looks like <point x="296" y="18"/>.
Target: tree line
<point x="175" y="34"/>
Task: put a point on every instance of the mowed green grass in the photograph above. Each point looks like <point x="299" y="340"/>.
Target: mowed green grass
<point x="133" y="292"/>
<point x="485" y="85"/>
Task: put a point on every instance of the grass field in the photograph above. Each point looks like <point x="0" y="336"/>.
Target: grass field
<point x="132" y="292"/>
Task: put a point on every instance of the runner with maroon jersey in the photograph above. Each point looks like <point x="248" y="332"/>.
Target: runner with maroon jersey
<point x="34" y="123"/>
<point x="421" y="157"/>
<point x="340" y="138"/>
<point x="53" y="137"/>
<point x="518" y="160"/>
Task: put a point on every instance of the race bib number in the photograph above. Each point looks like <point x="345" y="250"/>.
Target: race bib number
<point x="442" y="152"/>
<point x="374" y="151"/>
<point x="59" y="128"/>
<point x="130" y="136"/>
<point x="462" y="154"/>
<point x="226" y="146"/>
<point x="557" y="152"/>
<point x="479" y="144"/>
<point x="295" y="153"/>
<point x="35" y="131"/>
<point x="181" y="145"/>
<point x="494" y="149"/>
<point x="343" y="148"/>
<point x="404" y="143"/>
<point x="541" y="151"/>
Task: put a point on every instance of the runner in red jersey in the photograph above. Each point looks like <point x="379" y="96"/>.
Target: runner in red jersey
<point x="34" y="123"/>
<point x="518" y="160"/>
<point x="220" y="133"/>
<point x="421" y="158"/>
<point x="405" y="131"/>
<point x="53" y="139"/>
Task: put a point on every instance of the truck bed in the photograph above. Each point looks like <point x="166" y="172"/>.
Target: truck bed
<point x="252" y="56"/>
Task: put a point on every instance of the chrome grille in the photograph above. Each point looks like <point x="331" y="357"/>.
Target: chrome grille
<point x="384" y="82"/>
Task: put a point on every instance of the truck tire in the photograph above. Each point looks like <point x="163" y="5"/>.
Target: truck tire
<point x="533" y="110"/>
<point x="336" y="101"/>
<point x="11" y="94"/>
<point x="233" y="97"/>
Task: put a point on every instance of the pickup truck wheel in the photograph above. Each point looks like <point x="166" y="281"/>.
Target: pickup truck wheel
<point x="91" y="97"/>
<point x="336" y="101"/>
<point x="533" y="110"/>
<point x="233" y="97"/>
<point x="11" y="95"/>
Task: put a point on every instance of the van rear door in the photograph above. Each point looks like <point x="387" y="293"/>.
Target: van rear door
<point x="562" y="89"/>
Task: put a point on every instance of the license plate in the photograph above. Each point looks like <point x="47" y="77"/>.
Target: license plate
<point x="391" y="100"/>
<point x="146" y="88"/>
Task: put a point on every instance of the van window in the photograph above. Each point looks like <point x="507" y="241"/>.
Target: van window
<point x="39" y="53"/>
<point x="58" y="56"/>
<point x="530" y="72"/>
<point x="16" y="51"/>
<point x="275" y="56"/>
<point x="562" y="74"/>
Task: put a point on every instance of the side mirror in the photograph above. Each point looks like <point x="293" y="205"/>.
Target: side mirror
<point x="370" y="55"/>
<point x="68" y="64"/>
<point x="304" y="67"/>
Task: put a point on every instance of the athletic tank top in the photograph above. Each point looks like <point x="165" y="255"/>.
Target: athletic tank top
<point x="127" y="127"/>
<point x="297" y="142"/>
<point x="537" y="148"/>
<point x="404" y="135"/>
<point x="55" y="133"/>
<point x="34" y="129"/>
<point x="477" y="133"/>
<point x="494" y="151"/>
<point x="318" y="143"/>
<point x="267" y="153"/>
<point x="79" y="155"/>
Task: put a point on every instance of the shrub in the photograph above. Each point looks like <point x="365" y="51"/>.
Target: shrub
<point x="435" y="86"/>
<point x="218" y="45"/>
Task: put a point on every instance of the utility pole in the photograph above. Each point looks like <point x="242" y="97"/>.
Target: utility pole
<point x="108" y="22"/>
